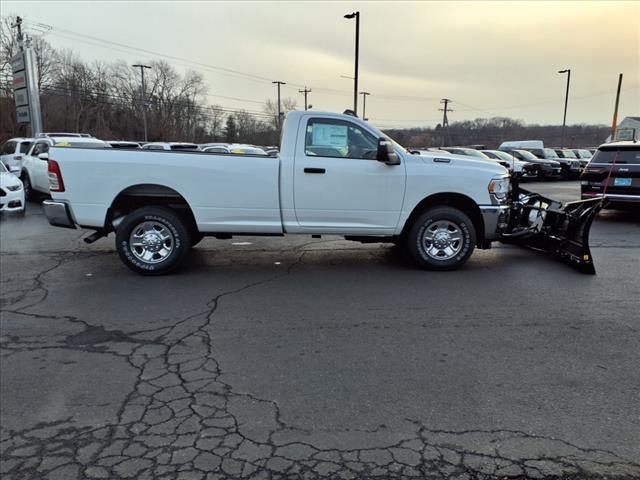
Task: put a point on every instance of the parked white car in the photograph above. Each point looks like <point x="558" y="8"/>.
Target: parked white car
<point x="14" y="150"/>
<point x="11" y="191"/>
<point x="170" y="146"/>
<point x="33" y="171"/>
<point x="335" y="175"/>
<point x="233" y="148"/>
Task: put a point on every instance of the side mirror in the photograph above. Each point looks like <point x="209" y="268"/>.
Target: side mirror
<point x="386" y="153"/>
<point x="43" y="156"/>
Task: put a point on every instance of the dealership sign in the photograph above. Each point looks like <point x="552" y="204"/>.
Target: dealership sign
<point x="20" y="88"/>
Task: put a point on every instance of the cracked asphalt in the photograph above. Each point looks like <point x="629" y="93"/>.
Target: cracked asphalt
<point x="302" y="358"/>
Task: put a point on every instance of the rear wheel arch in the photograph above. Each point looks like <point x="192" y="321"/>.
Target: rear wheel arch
<point x="150" y="195"/>
<point x="449" y="199"/>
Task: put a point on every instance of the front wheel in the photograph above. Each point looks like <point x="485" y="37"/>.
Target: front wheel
<point x="442" y="238"/>
<point x="152" y="240"/>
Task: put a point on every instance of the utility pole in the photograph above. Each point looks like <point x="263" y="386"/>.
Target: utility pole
<point x="306" y="91"/>
<point x="279" y="83"/>
<point x="364" y="105"/>
<point x="144" y="101"/>
<point x="566" y="101"/>
<point x="445" y="119"/>
<point x="614" y="124"/>
<point x="355" y="15"/>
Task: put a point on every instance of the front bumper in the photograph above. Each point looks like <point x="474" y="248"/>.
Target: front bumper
<point x="11" y="201"/>
<point x="58" y="213"/>
<point x="496" y="219"/>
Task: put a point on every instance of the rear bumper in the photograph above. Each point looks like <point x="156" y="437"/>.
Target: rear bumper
<point x="58" y="213"/>
<point x="613" y="197"/>
<point x="496" y="219"/>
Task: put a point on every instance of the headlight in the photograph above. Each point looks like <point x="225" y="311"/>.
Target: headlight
<point x="500" y="187"/>
<point x="14" y="188"/>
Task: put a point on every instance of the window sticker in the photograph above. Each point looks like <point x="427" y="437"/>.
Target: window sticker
<point x="325" y="135"/>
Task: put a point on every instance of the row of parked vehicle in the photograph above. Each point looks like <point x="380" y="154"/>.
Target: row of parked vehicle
<point x="529" y="158"/>
<point x="237" y="148"/>
<point x="26" y="159"/>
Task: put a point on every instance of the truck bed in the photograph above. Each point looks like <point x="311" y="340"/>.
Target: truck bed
<point x="226" y="192"/>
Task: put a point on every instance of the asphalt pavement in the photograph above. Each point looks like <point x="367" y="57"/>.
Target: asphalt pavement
<point x="318" y="358"/>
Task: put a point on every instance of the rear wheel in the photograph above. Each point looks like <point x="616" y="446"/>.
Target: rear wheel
<point x="442" y="238"/>
<point x="152" y="240"/>
<point x="29" y="193"/>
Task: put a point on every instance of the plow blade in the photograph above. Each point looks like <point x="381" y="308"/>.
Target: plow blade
<point x="560" y="229"/>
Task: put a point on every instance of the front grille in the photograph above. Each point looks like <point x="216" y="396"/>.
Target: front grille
<point x="2" y="192"/>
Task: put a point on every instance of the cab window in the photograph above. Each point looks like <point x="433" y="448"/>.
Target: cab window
<point x="339" y="139"/>
<point x="40" y="147"/>
<point x="25" y="146"/>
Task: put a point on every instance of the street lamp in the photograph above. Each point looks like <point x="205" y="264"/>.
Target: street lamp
<point x="355" y="15"/>
<point x="144" y="104"/>
<point x="566" y="100"/>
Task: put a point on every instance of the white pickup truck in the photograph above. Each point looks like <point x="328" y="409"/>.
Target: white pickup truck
<point x="335" y="175"/>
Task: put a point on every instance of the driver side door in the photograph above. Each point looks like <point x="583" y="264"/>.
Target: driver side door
<point x="339" y="185"/>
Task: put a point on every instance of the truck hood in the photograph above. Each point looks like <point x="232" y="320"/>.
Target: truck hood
<point x="464" y="161"/>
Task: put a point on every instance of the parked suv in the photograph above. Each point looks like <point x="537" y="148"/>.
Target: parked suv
<point x="570" y="168"/>
<point x="34" y="171"/>
<point x="13" y="152"/>
<point x="548" y="168"/>
<point x="614" y="171"/>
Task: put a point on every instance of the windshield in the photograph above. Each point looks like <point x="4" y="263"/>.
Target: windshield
<point x="504" y="155"/>
<point x="584" y="153"/>
<point x="568" y="154"/>
<point x="550" y="153"/>
<point x="527" y="155"/>
<point x="474" y="153"/>
<point x="3" y="169"/>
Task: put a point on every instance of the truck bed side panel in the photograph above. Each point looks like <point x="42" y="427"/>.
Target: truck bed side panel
<point x="227" y="193"/>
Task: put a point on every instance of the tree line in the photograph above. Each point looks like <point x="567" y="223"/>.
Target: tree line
<point x="491" y="132"/>
<point x="104" y="99"/>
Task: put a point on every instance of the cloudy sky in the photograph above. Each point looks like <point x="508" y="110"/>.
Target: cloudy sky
<point x="490" y="58"/>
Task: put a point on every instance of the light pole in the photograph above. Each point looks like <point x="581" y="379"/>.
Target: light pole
<point x="566" y="100"/>
<point x="355" y="15"/>
<point x="364" y="105"/>
<point x="144" y="102"/>
<point x="279" y="83"/>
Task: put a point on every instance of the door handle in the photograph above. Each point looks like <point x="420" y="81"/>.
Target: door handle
<point x="314" y="170"/>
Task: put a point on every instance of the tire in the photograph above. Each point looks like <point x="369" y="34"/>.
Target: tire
<point x="30" y="194"/>
<point x="152" y="240"/>
<point x="446" y="253"/>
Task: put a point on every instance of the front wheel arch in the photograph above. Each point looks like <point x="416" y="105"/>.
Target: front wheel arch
<point x="449" y="199"/>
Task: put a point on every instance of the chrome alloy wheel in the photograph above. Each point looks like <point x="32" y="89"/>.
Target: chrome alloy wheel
<point x="151" y="242"/>
<point x="442" y="240"/>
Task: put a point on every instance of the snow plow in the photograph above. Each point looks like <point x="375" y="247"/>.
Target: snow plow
<point x="543" y="224"/>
